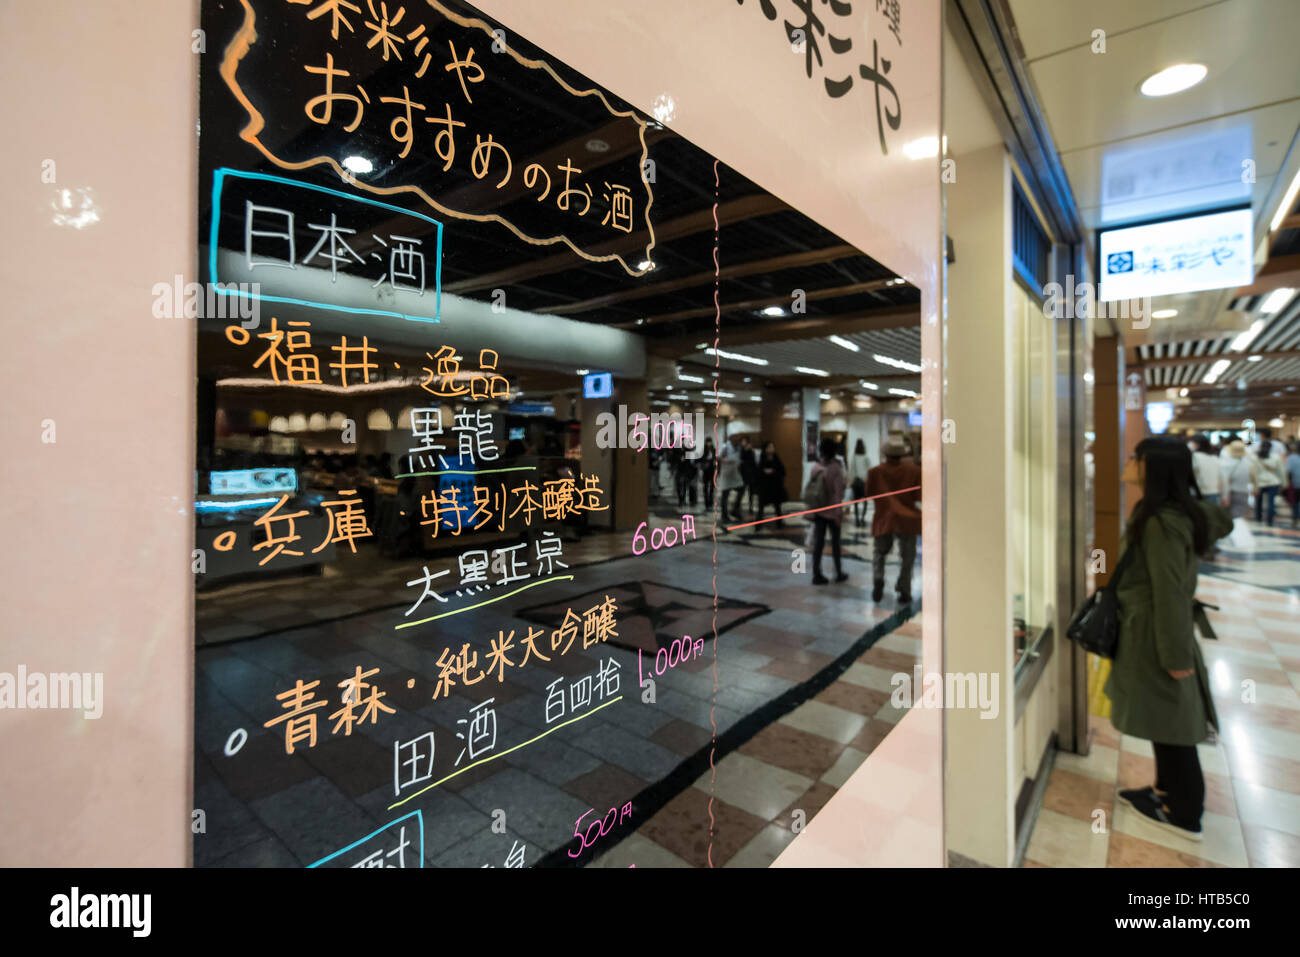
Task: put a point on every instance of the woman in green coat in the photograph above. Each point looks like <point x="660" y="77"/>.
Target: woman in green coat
<point x="1158" y="685"/>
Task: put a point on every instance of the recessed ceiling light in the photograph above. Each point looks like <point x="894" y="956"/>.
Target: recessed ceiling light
<point x="597" y="146"/>
<point x="358" y="164"/>
<point x="1164" y="313"/>
<point x="826" y="396"/>
<point x="1216" y="370"/>
<point x="897" y="363"/>
<point x="1182" y="393"/>
<point x="806" y="371"/>
<point x="845" y="344"/>
<point x="1254" y="358"/>
<point x="689" y="378"/>
<point x="584" y="372"/>
<point x="1244" y="339"/>
<point x="774" y="311"/>
<point x="905" y="392"/>
<point x="645" y="265"/>
<point x="1174" y="79"/>
<point x="869" y="385"/>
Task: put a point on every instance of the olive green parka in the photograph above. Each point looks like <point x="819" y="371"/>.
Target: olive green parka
<point x="1156" y="635"/>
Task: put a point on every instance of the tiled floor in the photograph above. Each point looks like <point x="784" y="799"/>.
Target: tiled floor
<point x="1252" y="773"/>
<point x="777" y="752"/>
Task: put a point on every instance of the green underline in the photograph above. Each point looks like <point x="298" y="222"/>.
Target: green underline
<point x="447" y="614"/>
<point x="502" y="754"/>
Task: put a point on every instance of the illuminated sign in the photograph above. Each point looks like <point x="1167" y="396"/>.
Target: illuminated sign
<point x="598" y="385"/>
<point x="250" y="481"/>
<point x="1211" y="251"/>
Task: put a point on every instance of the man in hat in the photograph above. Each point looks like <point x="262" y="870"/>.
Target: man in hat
<point x="897" y="516"/>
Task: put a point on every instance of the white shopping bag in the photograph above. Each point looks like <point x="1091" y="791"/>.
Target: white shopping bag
<point x="1241" y="539"/>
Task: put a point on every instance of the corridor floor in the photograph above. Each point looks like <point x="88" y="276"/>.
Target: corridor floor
<point x="1252" y="773"/>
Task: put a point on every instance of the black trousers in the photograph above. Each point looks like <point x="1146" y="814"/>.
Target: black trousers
<point x="1178" y="776"/>
<point x="820" y="527"/>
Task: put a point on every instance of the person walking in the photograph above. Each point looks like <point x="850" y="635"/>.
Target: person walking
<point x="1293" y="482"/>
<point x="859" y="465"/>
<point x="829" y="475"/>
<point x="748" y="474"/>
<point x="897" y="517"/>
<point x="729" y="479"/>
<point x="1239" y="472"/>
<point x="708" y="467"/>
<point x="771" y="480"/>
<point x="1158" y="685"/>
<point x="1205" y="466"/>
<point x="1271" y="455"/>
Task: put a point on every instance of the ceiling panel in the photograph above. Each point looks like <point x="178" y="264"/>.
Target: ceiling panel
<point x="1047" y="28"/>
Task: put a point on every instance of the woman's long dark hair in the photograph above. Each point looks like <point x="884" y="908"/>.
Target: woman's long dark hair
<point x="1169" y="480"/>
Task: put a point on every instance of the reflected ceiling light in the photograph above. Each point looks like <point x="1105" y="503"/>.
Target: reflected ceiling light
<point x="774" y="311"/>
<point x="297" y="422"/>
<point x="896" y="363"/>
<point x="748" y="379"/>
<point x="845" y="344"/>
<point x="1216" y="370"/>
<point x="584" y="372"/>
<point x="1174" y="79"/>
<point x="806" y="371"/>
<point x="378" y="421"/>
<point x="737" y="356"/>
<point x="597" y="146"/>
<point x="1254" y="358"/>
<point x="1243" y="340"/>
<point x="714" y="395"/>
<point x="755" y="398"/>
<point x="317" y="422"/>
<point x="870" y="385"/>
<point x="905" y="392"/>
<point x="689" y="378"/>
<point x="826" y="396"/>
<point x="1287" y="202"/>
<point x="1276" y="423"/>
<point x="1182" y="393"/>
<point x="278" y="424"/>
<point x="358" y="164"/>
<point x="924" y="148"/>
<point x="659" y="402"/>
<point x="644" y="265"/>
<point x="1164" y="313"/>
<point x="338" y="420"/>
<point x="1275" y="301"/>
<point x="672" y="396"/>
<point x="664" y="108"/>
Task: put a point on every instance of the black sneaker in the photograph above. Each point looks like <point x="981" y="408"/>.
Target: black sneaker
<point x="841" y="577"/>
<point x="1156" y="812"/>
<point x="877" y="591"/>
<point x="821" y="580"/>
<point x="1134" y="794"/>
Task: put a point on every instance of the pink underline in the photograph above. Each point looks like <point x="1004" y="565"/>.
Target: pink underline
<point x="809" y="511"/>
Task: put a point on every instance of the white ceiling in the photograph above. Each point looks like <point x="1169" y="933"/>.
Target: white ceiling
<point x="1184" y="152"/>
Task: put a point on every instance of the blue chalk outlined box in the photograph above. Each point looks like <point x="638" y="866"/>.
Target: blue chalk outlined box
<point x="419" y="819"/>
<point x="219" y="177"/>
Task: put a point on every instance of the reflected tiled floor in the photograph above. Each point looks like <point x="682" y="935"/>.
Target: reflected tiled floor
<point x="1252" y="773"/>
<point x="264" y="806"/>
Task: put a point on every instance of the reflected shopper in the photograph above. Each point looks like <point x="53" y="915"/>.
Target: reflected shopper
<point x="1158" y="686"/>
<point x="896" y="517"/>
<point x="771" y="480"/>
<point x="826" y="481"/>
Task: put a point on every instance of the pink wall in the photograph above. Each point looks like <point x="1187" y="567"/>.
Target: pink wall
<point x="96" y="559"/>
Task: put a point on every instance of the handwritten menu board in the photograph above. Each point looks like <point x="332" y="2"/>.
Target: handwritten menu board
<point x="419" y="643"/>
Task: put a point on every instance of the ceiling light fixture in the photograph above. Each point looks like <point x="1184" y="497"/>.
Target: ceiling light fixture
<point x="1164" y="313"/>
<point x="1174" y="79"/>
<point x="896" y="363"/>
<point x="845" y="344"/>
<point x="1244" y="339"/>
<point x="690" y="378"/>
<point x="645" y="265"/>
<point x="826" y="396"/>
<point x="358" y="164"/>
<point x="1276" y="301"/>
<point x="736" y="356"/>
<point x="870" y="385"/>
<point x="923" y="148"/>
<point x="774" y="311"/>
<point x="806" y="371"/>
<point x="1216" y="370"/>
<point x="905" y="392"/>
<point x="672" y="396"/>
<point x="1254" y="358"/>
<point x="1287" y="202"/>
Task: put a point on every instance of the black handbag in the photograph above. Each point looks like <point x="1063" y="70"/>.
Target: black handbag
<point x="1095" y="626"/>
